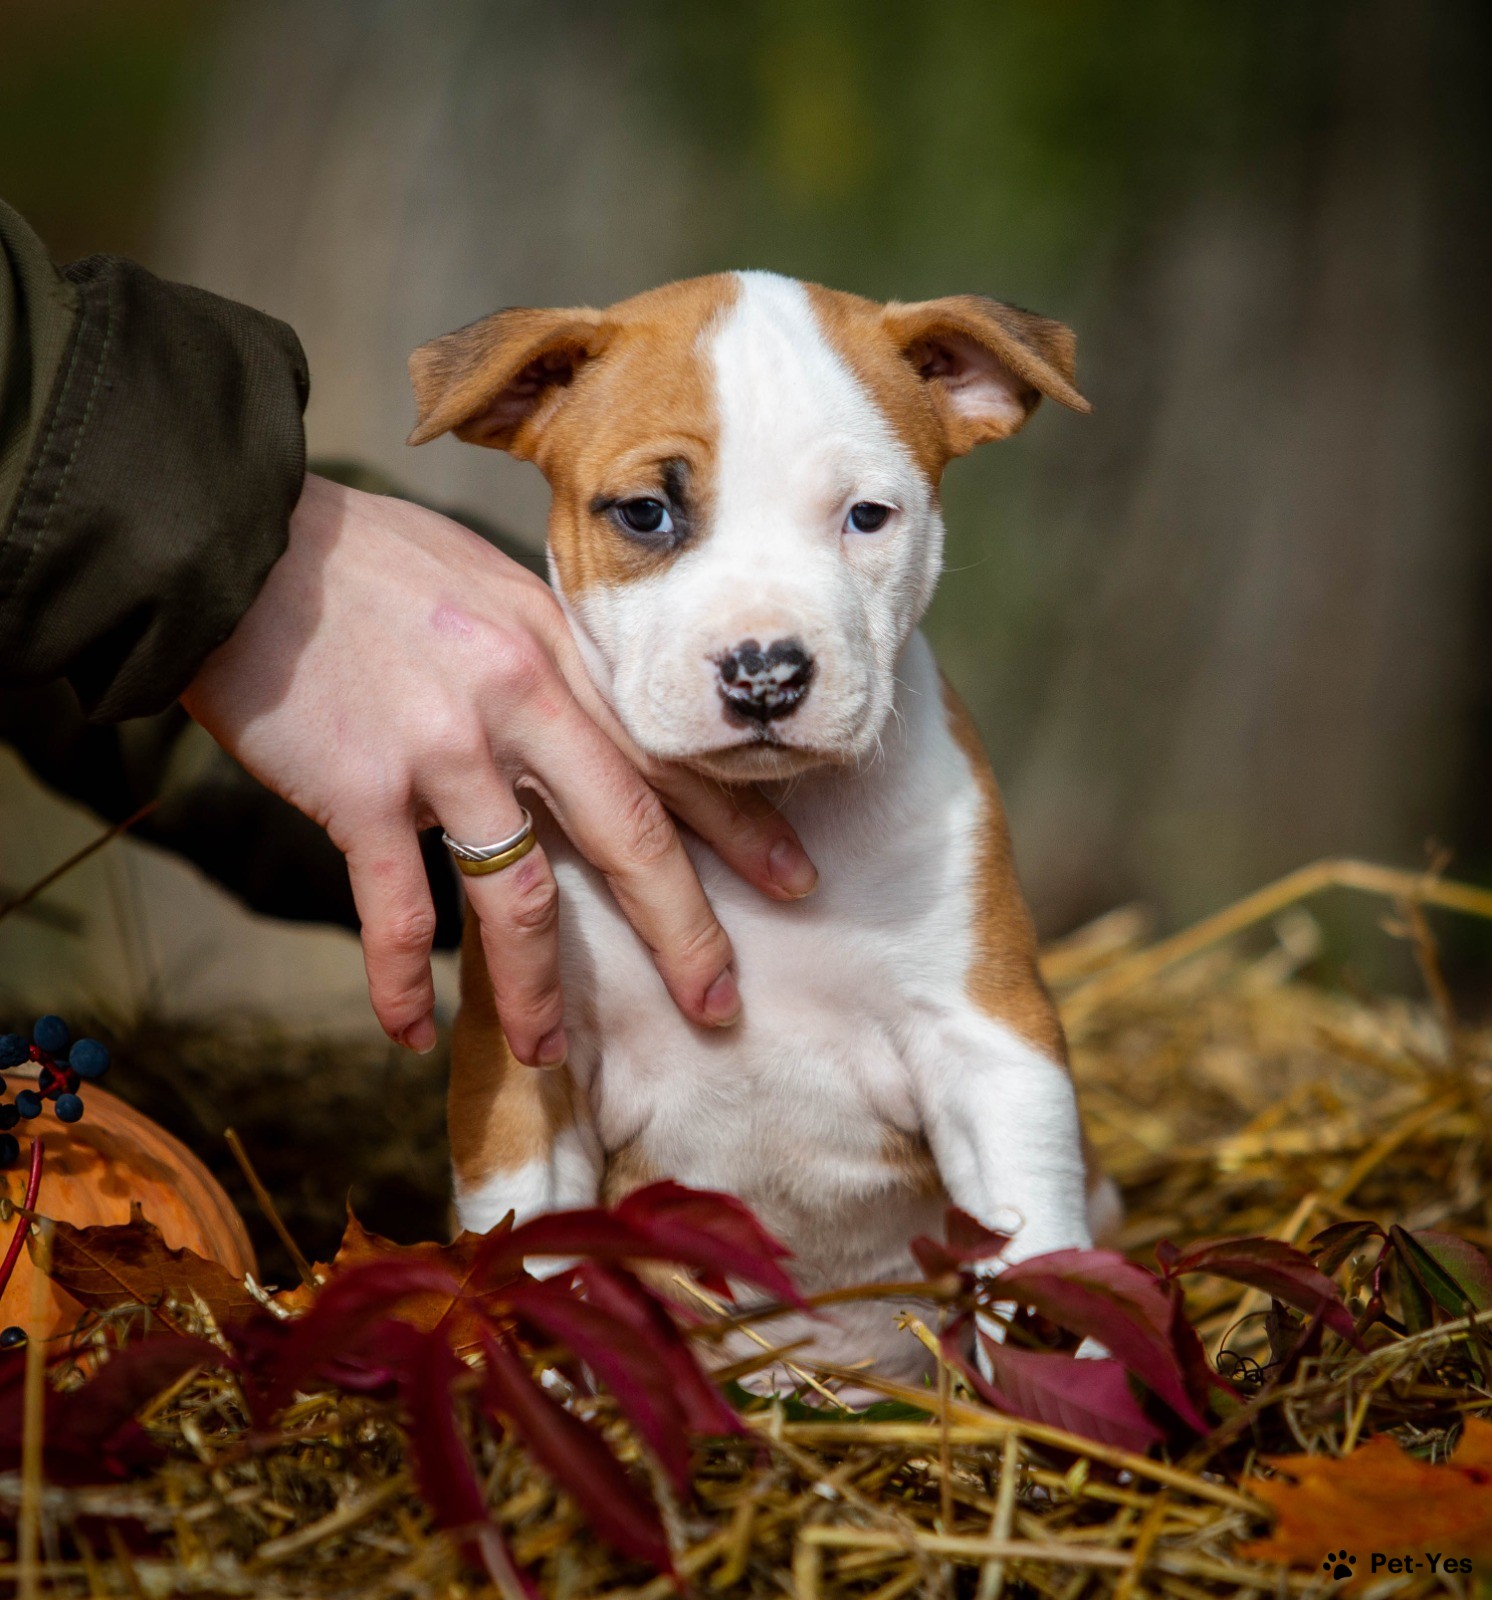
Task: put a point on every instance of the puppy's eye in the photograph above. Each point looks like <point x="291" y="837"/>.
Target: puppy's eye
<point x="645" y="516"/>
<point x="867" y="516"/>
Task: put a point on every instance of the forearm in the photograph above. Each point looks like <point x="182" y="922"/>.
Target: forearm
<point x="151" y="451"/>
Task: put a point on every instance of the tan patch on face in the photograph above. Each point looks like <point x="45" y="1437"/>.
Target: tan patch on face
<point x="501" y="1114"/>
<point x="638" y="417"/>
<point x="1004" y="980"/>
<point x="856" y="328"/>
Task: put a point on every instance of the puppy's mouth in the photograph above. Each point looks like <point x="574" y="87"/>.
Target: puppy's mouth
<point x="759" y="758"/>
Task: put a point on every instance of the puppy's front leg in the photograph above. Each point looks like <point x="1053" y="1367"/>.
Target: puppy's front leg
<point x="1002" y="1123"/>
<point x="521" y="1137"/>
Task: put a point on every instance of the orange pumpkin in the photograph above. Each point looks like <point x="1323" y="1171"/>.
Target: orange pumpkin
<point x="92" y="1172"/>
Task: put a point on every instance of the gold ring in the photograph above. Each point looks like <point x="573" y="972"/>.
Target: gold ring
<point x="477" y="860"/>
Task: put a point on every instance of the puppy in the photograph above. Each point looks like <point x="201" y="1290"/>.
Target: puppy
<point x="745" y="531"/>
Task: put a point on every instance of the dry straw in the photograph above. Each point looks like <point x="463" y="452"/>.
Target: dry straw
<point x="1225" y="1094"/>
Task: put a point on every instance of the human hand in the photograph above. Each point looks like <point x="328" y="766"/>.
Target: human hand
<point x="395" y="672"/>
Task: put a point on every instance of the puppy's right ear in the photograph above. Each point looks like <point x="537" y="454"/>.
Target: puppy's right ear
<point x="498" y="381"/>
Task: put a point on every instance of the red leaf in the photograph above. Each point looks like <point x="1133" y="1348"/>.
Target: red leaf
<point x="344" y="1311"/>
<point x="1201" y="1377"/>
<point x="1089" y="1398"/>
<point x="576" y="1459"/>
<point x="625" y="1362"/>
<point x="442" y="1463"/>
<point x="443" y="1468"/>
<point x="619" y="1293"/>
<point x="1104" y="1297"/>
<point x="713" y="1233"/>
<point x="968" y="1241"/>
<point x="1280" y="1270"/>
<point x="90" y="1433"/>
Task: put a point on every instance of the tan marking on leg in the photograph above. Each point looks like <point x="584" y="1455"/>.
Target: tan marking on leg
<point x="1004" y="980"/>
<point x="501" y="1115"/>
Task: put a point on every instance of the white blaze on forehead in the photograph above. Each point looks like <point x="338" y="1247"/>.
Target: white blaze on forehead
<point x="795" y="423"/>
<point x="798" y="439"/>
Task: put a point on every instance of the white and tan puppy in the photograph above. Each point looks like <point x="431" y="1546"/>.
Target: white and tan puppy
<point x="745" y="532"/>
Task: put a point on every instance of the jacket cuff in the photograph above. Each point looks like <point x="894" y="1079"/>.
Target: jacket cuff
<point x="160" y="491"/>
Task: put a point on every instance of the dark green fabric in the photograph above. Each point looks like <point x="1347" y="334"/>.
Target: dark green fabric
<point x="151" y="451"/>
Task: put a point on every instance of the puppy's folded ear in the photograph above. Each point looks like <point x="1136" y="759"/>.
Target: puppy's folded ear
<point x="987" y="364"/>
<point x="497" y="381"/>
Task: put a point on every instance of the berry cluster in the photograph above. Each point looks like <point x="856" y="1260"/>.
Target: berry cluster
<point x="63" y="1071"/>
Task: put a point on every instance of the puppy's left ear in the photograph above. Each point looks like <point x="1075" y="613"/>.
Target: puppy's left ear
<point x="988" y="364"/>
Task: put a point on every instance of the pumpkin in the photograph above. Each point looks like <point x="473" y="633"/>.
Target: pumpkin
<point x="93" y="1172"/>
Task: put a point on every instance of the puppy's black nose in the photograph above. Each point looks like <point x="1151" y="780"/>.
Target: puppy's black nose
<point x="762" y="685"/>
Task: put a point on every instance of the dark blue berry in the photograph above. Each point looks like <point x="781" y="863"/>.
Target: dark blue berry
<point x="68" y="1107"/>
<point x="13" y="1050"/>
<point x="9" y="1116"/>
<point x="10" y="1148"/>
<point x="11" y="1337"/>
<point x="50" y="1034"/>
<point x="28" y="1103"/>
<point x="89" y="1059"/>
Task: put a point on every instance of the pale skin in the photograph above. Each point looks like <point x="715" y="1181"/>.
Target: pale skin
<point x="396" y="672"/>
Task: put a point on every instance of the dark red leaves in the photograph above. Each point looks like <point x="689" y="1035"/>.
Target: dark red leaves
<point x="1280" y="1270"/>
<point x="1432" y="1273"/>
<point x="968" y="1241"/>
<point x="90" y="1433"/>
<point x="373" y="1326"/>
<point x="575" y="1458"/>
<point x="1090" y="1398"/>
<point x="1140" y="1319"/>
<point x="714" y="1234"/>
<point x="631" y="1344"/>
<point x="630" y="1301"/>
<point x="335" y="1326"/>
<point x="1102" y="1296"/>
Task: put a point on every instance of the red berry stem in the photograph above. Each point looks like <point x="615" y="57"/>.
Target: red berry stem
<point x="33" y="1186"/>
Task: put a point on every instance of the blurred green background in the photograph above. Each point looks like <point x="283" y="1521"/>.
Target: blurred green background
<point x="1235" y="620"/>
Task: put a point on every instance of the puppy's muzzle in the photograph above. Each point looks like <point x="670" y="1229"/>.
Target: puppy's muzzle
<point x="762" y="685"/>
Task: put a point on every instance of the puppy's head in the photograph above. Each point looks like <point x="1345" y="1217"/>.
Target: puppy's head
<point x="745" y="470"/>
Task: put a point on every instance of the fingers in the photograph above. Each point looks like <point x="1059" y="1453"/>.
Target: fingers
<point x="517" y="912"/>
<point x="393" y="903"/>
<point x="622" y="828"/>
<point x="744" y="829"/>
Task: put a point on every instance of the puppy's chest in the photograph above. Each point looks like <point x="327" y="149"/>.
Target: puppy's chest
<point x="808" y="1106"/>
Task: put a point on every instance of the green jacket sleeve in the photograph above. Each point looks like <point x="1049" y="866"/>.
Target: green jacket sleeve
<point x="151" y="452"/>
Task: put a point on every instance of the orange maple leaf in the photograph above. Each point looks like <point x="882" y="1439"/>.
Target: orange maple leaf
<point x="1379" y="1499"/>
<point x="454" y="1314"/>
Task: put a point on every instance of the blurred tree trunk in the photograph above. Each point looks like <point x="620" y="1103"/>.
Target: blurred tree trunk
<point x="378" y="173"/>
<point x="1277" y="639"/>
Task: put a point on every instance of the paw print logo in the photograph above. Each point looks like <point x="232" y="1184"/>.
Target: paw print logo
<point x="1339" y="1564"/>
